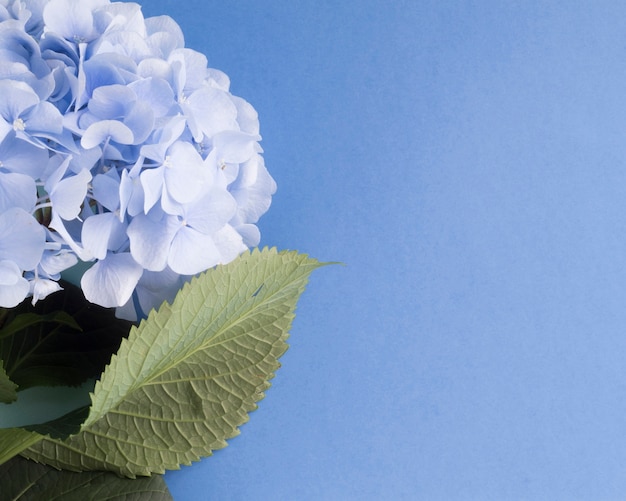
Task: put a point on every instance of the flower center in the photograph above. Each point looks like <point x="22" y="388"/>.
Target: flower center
<point x="18" y="124"/>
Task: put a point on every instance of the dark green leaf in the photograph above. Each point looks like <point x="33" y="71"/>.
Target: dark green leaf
<point x="23" y="480"/>
<point x="15" y="440"/>
<point x="62" y="427"/>
<point x="25" y="320"/>
<point x="8" y="389"/>
<point x="62" y="340"/>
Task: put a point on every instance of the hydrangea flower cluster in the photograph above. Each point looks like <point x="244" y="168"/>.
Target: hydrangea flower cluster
<point x="119" y="147"/>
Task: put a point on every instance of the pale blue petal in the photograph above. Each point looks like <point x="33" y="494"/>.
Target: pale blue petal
<point x="192" y="123"/>
<point x="62" y="142"/>
<point x="111" y="282"/>
<point x="218" y="79"/>
<point x="162" y="44"/>
<point x="118" y="240"/>
<point x="43" y="118"/>
<point x="164" y="34"/>
<point x="163" y="138"/>
<point x="126" y="43"/>
<point x="62" y="233"/>
<point x="228" y="172"/>
<point x="131" y="195"/>
<point x="234" y="147"/>
<point x="96" y="233"/>
<point x="53" y="263"/>
<point x="126" y="191"/>
<point x="53" y="46"/>
<point x="194" y="66"/>
<point x="171" y="206"/>
<point x="10" y="272"/>
<point x="4" y="14"/>
<point x="150" y="240"/>
<point x="247" y="117"/>
<point x="152" y="290"/>
<point x="55" y="170"/>
<point x="140" y="120"/>
<point x="13" y="64"/>
<point x="13" y="287"/>
<point x="16" y="97"/>
<point x="60" y="80"/>
<point x="106" y="189"/>
<point x="120" y="16"/>
<point x="105" y="69"/>
<point x="68" y="195"/>
<point x="112" y="101"/>
<point x="34" y="25"/>
<point x="253" y="190"/>
<point x="40" y="288"/>
<point x="211" y="212"/>
<point x="99" y="132"/>
<point x="16" y="40"/>
<point x="123" y="153"/>
<point x="42" y="85"/>
<point x="22" y="238"/>
<point x="73" y="119"/>
<point x="85" y="159"/>
<point x="177" y="69"/>
<point x="153" y="67"/>
<point x="214" y="172"/>
<point x="212" y="110"/>
<point x="5" y="129"/>
<point x="155" y="91"/>
<point x="156" y="287"/>
<point x="183" y="175"/>
<point x="250" y="234"/>
<point x="84" y="120"/>
<point x="192" y="252"/>
<point x="152" y="183"/>
<point x="70" y="19"/>
<point x="17" y="190"/>
<point x="229" y="242"/>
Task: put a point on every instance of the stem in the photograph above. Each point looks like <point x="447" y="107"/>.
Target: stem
<point x="42" y="206"/>
<point x="140" y="314"/>
<point x="3" y="315"/>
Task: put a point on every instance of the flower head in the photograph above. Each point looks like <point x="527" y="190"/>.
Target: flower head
<point x="118" y="147"/>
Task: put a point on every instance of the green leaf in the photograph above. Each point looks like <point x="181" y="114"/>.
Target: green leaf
<point x="61" y="341"/>
<point x="23" y="480"/>
<point x="63" y="427"/>
<point x="25" y="320"/>
<point x="15" y="440"/>
<point x="8" y="389"/>
<point x="188" y="376"/>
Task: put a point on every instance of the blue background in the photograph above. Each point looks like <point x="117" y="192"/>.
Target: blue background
<point x="467" y="161"/>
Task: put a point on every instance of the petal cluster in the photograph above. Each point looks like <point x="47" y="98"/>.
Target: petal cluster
<point x="121" y="148"/>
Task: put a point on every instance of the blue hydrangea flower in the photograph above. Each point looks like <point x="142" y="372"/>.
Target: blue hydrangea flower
<point x="120" y="148"/>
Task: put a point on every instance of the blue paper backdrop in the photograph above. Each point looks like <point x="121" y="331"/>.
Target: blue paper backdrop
<point x="467" y="161"/>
